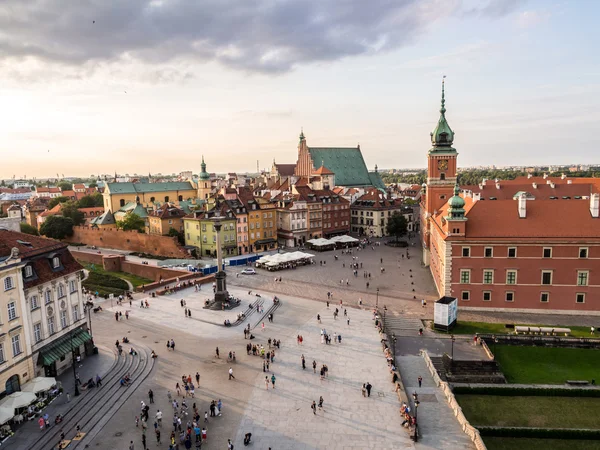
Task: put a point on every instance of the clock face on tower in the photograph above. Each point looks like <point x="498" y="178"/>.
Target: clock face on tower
<point x="443" y="164"/>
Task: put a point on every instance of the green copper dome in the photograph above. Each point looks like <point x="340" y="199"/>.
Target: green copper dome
<point x="456" y="205"/>
<point x="442" y="136"/>
<point x="204" y="174"/>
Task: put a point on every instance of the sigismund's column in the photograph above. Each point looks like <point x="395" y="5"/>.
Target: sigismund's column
<point x="221" y="294"/>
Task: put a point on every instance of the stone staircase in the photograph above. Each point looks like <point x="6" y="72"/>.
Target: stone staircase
<point x="402" y="325"/>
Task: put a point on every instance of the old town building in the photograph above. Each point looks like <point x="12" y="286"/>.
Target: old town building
<point x="525" y="244"/>
<point x="165" y="218"/>
<point x="372" y="211"/>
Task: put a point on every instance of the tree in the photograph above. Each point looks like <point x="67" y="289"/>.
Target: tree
<point x="132" y="221"/>
<point x="28" y="229"/>
<point x="178" y="234"/>
<point x="90" y="201"/>
<point x="56" y="200"/>
<point x="93" y="184"/>
<point x="65" y="186"/>
<point x="69" y="209"/>
<point x="397" y="225"/>
<point x="57" y="227"/>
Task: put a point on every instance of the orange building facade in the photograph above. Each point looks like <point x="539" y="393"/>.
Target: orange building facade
<point x="520" y="245"/>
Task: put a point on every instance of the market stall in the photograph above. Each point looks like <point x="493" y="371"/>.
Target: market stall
<point x="320" y="244"/>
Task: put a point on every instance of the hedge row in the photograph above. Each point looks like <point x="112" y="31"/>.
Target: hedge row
<point x="103" y="290"/>
<point x="102" y="279"/>
<point x="526" y="392"/>
<point x="541" y="433"/>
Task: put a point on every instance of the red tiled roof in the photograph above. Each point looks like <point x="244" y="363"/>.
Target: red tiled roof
<point x="51" y="190"/>
<point x="323" y="171"/>
<point x="286" y="170"/>
<point x="37" y="244"/>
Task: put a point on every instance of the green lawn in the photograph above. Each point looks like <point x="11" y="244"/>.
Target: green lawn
<point x="133" y="279"/>
<point x="499" y="328"/>
<point x="535" y="412"/>
<point x="546" y="365"/>
<point x="497" y="443"/>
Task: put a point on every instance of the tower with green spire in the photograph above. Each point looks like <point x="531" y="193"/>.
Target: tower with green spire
<point x="204" y="184"/>
<point x="442" y="135"/>
<point x="456" y="206"/>
<point x="204" y="174"/>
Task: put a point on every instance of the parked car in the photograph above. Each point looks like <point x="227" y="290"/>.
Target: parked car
<point x="248" y="272"/>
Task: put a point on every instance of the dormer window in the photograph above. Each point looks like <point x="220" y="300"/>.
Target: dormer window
<point x="55" y="262"/>
<point x="28" y="271"/>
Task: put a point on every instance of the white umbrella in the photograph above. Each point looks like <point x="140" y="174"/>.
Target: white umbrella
<point x="39" y="384"/>
<point x="17" y="400"/>
<point x="6" y="414"/>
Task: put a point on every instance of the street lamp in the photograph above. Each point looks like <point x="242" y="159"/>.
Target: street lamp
<point x="377" y="299"/>
<point x="452" y="351"/>
<point x="495" y="342"/>
<point x="73" y="360"/>
<point x="88" y="306"/>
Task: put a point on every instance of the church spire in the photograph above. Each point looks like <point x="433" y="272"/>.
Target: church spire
<point x="443" y="108"/>
<point x="442" y="136"/>
<point x="301" y="134"/>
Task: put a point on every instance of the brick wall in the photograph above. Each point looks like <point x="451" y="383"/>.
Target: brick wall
<point x="129" y="240"/>
<point x="151" y="272"/>
<point x="85" y="257"/>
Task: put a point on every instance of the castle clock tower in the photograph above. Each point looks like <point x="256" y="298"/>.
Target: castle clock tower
<point x="441" y="175"/>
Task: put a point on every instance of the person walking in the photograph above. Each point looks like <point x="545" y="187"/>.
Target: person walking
<point x="151" y="396"/>
<point x="158" y="417"/>
<point x="144" y="441"/>
<point x="217" y="353"/>
<point x="364" y="390"/>
<point x="314" y="407"/>
<point x="231" y="374"/>
<point x="303" y="362"/>
<point x="314" y="366"/>
<point x="197" y="378"/>
<point x="368" y="387"/>
<point x="420" y="379"/>
<point x="131" y="446"/>
<point x="321" y="402"/>
<point x="273" y="380"/>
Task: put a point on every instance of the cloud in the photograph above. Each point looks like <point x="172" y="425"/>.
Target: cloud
<point x="528" y="19"/>
<point x="256" y="36"/>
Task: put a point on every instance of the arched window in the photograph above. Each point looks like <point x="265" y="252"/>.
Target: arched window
<point x="180" y="198"/>
<point x="166" y="198"/>
<point x="12" y="385"/>
<point x="47" y="296"/>
<point x="205" y="185"/>
<point x="122" y="202"/>
<point x="152" y="199"/>
<point x="60" y="290"/>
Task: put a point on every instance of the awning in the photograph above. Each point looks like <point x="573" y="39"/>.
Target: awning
<point x="265" y="241"/>
<point x="6" y="414"/>
<point x="18" y="400"/>
<point x="38" y="384"/>
<point x="62" y="346"/>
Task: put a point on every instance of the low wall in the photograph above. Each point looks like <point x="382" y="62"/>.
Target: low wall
<point x="469" y="430"/>
<point x="92" y="258"/>
<point x="129" y="240"/>
<point x="171" y="282"/>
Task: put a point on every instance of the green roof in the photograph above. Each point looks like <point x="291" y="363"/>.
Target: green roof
<point x="132" y="207"/>
<point x="105" y="219"/>
<point x="346" y="163"/>
<point x="376" y="180"/>
<point x="135" y="188"/>
<point x="63" y="346"/>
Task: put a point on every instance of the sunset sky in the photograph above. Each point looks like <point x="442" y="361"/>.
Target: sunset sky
<point x="94" y="86"/>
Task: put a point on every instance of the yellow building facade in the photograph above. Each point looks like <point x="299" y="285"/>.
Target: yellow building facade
<point x="117" y="195"/>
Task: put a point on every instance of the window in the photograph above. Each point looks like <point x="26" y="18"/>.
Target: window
<point x="180" y="198"/>
<point x="51" y="325"/>
<point x="28" y="271"/>
<point x="166" y="198"/>
<point x="583" y="252"/>
<point x="170" y="221"/>
<point x="37" y="332"/>
<point x="2" y="358"/>
<point x="512" y="252"/>
<point x="12" y="311"/>
<point x="63" y="319"/>
<point x="73" y="286"/>
<point x="34" y="302"/>
<point x="488" y="276"/>
<point x="546" y="277"/>
<point x="55" y="262"/>
<point x="47" y="296"/>
<point x="547" y="252"/>
<point x="487" y="296"/>
<point x="580" y="298"/>
<point x="8" y="283"/>
<point x="465" y="276"/>
<point x="545" y="297"/>
<point x="466" y="295"/>
<point x="60" y="290"/>
<point x="582" y="277"/>
<point x="16" y="345"/>
<point x="122" y="202"/>
<point x="510" y="297"/>
<point x="75" y="313"/>
<point x="466" y="252"/>
<point x="488" y="252"/>
<point x="152" y="199"/>
<point x="511" y="277"/>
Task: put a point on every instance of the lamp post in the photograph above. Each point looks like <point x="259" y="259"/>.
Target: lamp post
<point x="377" y="299"/>
<point x="88" y="307"/>
<point x="73" y="361"/>
<point x="452" y="351"/>
<point x="495" y="342"/>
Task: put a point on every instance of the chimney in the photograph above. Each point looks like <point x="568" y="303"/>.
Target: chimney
<point x="522" y="206"/>
<point x="569" y="181"/>
<point x="545" y="176"/>
<point x="480" y="186"/>
<point x="484" y="181"/>
<point x="534" y="185"/>
<point x="594" y="204"/>
<point x="548" y="181"/>
<point x="476" y="196"/>
<point x="497" y="185"/>
<point x="529" y="175"/>
<point x="563" y="176"/>
<point x="552" y="185"/>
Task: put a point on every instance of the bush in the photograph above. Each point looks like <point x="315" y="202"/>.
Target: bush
<point x="28" y="229"/>
<point x="542" y="433"/>
<point x="106" y="281"/>
<point x="525" y="392"/>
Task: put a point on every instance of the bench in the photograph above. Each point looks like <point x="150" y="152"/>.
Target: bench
<point x="578" y="382"/>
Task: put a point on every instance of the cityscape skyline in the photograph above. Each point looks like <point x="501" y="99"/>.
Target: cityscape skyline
<point x="77" y="98"/>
